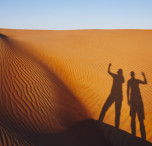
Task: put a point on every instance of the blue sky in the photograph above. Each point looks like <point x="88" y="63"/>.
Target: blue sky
<point x="76" y="14"/>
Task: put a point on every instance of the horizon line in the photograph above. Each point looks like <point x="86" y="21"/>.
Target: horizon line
<point x="78" y="29"/>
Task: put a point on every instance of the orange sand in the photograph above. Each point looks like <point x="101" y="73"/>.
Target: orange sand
<point x="52" y="79"/>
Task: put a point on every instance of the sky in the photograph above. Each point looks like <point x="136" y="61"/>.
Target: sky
<point x="76" y="14"/>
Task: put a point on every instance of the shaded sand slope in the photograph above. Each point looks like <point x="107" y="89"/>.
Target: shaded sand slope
<point x="8" y="138"/>
<point x="33" y="99"/>
<point x="89" y="133"/>
<point x="79" y="59"/>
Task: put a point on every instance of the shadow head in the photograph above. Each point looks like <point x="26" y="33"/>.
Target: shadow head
<point x="132" y="73"/>
<point x="120" y="72"/>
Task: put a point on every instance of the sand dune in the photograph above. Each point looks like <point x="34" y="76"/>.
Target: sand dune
<point x="53" y="79"/>
<point x="33" y="99"/>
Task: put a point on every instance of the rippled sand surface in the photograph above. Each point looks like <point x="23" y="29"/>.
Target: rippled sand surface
<point x="53" y="79"/>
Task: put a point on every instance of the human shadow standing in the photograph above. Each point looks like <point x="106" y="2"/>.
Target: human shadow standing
<point x="115" y="96"/>
<point x="136" y="104"/>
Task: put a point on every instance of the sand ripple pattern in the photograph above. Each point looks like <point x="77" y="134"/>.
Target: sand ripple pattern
<point x="9" y="139"/>
<point x="33" y="100"/>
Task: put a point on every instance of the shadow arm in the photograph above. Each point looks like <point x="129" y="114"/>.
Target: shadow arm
<point x="109" y="70"/>
<point x="128" y="93"/>
<point x="145" y="80"/>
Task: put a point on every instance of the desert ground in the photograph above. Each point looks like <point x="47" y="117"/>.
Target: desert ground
<point x="52" y="79"/>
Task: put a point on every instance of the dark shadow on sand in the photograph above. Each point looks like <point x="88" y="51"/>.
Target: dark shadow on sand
<point x="114" y="97"/>
<point x="89" y="133"/>
<point x="136" y="104"/>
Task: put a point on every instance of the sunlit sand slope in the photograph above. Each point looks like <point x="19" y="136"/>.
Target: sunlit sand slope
<point x="64" y="78"/>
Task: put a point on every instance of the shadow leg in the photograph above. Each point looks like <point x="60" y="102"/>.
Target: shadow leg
<point x="118" y="104"/>
<point x="106" y="106"/>
<point x="133" y="125"/>
<point x="141" y="117"/>
<point x="142" y="129"/>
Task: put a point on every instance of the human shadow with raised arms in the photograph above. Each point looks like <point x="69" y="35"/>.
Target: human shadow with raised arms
<point x="115" y="96"/>
<point x="136" y="104"/>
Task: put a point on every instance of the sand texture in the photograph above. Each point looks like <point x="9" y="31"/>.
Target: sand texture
<point x="50" y="80"/>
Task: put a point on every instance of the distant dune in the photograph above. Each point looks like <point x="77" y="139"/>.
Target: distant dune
<point x="51" y="80"/>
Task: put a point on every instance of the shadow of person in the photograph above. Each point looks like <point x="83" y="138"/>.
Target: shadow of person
<point x="115" y="96"/>
<point x="136" y="104"/>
